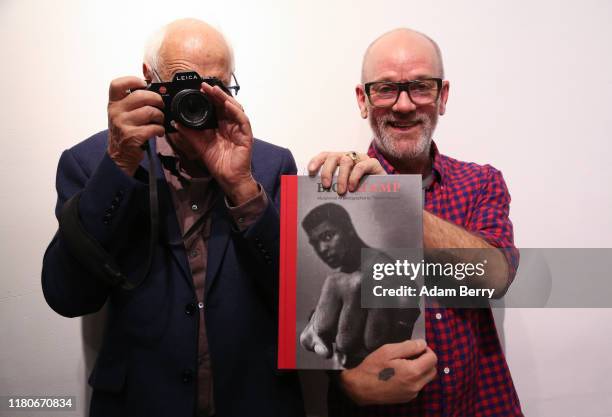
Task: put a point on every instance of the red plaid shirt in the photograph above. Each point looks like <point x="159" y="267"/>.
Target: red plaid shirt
<point x="473" y="376"/>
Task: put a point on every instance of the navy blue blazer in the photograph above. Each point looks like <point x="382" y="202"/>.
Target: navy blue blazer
<point x="147" y="365"/>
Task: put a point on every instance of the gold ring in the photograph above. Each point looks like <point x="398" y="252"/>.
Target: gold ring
<point x="354" y="156"/>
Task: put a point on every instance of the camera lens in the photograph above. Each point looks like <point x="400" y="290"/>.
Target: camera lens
<point x="191" y="108"/>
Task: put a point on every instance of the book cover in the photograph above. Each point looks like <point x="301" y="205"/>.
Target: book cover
<point x="327" y="318"/>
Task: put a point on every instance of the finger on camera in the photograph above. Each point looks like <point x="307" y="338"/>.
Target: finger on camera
<point x="217" y="96"/>
<point x="142" y="98"/>
<point x="185" y="131"/>
<point x="234" y="112"/>
<point x="316" y="162"/>
<point x="344" y="170"/>
<point x="329" y="168"/>
<point x="119" y="87"/>
<point x="228" y="97"/>
<point x="145" y="115"/>
<point x="126" y="123"/>
<point x="147" y="132"/>
<point x="220" y="95"/>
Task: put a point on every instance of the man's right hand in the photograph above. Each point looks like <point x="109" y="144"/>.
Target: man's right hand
<point x="133" y="118"/>
<point x="389" y="376"/>
<point x="350" y="171"/>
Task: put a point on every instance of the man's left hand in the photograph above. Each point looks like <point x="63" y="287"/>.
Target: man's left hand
<point x="226" y="150"/>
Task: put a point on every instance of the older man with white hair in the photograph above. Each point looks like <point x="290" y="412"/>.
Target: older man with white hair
<point x="192" y="308"/>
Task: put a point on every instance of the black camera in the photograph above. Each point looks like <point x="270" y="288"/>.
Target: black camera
<point x="185" y="103"/>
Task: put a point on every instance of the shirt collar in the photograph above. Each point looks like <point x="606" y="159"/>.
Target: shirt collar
<point x="437" y="165"/>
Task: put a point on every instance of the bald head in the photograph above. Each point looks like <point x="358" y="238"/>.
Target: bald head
<point x="189" y="44"/>
<point x="401" y="44"/>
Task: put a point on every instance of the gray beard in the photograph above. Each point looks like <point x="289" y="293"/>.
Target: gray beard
<point x="386" y="144"/>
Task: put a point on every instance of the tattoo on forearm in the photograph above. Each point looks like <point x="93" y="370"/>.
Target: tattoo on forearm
<point x="386" y="374"/>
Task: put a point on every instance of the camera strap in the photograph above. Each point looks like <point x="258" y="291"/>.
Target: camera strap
<point x="90" y="253"/>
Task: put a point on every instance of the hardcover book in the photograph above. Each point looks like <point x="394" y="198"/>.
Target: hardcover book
<point x="330" y="245"/>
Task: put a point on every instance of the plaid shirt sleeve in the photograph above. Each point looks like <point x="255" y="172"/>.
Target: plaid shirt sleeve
<point x="490" y="218"/>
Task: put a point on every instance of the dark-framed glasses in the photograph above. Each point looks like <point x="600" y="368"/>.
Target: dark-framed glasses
<point x="420" y="92"/>
<point x="235" y="87"/>
<point x="229" y="89"/>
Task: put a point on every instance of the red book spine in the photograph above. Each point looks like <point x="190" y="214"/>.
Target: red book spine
<point x="288" y="264"/>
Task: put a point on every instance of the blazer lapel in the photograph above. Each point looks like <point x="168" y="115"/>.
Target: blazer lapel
<point x="169" y="231"/>
<point x="220" y="231"/>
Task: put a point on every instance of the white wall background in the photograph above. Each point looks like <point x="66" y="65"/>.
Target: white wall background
<point x="531" y="84"/>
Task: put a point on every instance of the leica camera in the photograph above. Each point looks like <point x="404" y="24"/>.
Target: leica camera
<point x="185" y="103"/>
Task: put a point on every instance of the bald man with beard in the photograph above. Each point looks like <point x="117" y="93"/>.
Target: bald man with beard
<point x="198" y="336"/>
<point x="461" y="369"/>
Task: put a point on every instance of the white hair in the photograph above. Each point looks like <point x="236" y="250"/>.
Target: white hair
<point x="152" y="47"/>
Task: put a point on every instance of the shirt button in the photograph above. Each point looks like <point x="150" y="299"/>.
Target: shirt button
<point x="240" y="219"/>
<point x="438" y="316"/>
<point x="200" y="305"/>
<point x="193" y="253"/>
<point x="447" y="370"/>
<point x="195" y="207"/>
<point x="190" y="309"/>
<point x="187" y="376"/>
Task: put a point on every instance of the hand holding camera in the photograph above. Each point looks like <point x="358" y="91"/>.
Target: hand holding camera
<point x="226" y="149"/>
<point x="211" y="126"/>
<point x="133" y="118"/>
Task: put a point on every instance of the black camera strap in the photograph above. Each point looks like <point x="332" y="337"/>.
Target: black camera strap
<point x="88" y="251"/>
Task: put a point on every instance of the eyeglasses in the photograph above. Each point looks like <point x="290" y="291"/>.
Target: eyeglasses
<point x="230" y="89"/>
<point x="233" y="89"/>
<point x="420" y="92"/>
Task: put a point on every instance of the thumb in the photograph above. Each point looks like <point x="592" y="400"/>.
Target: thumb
<point x="311" y="341"/>
<point x="320" y="347"/>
